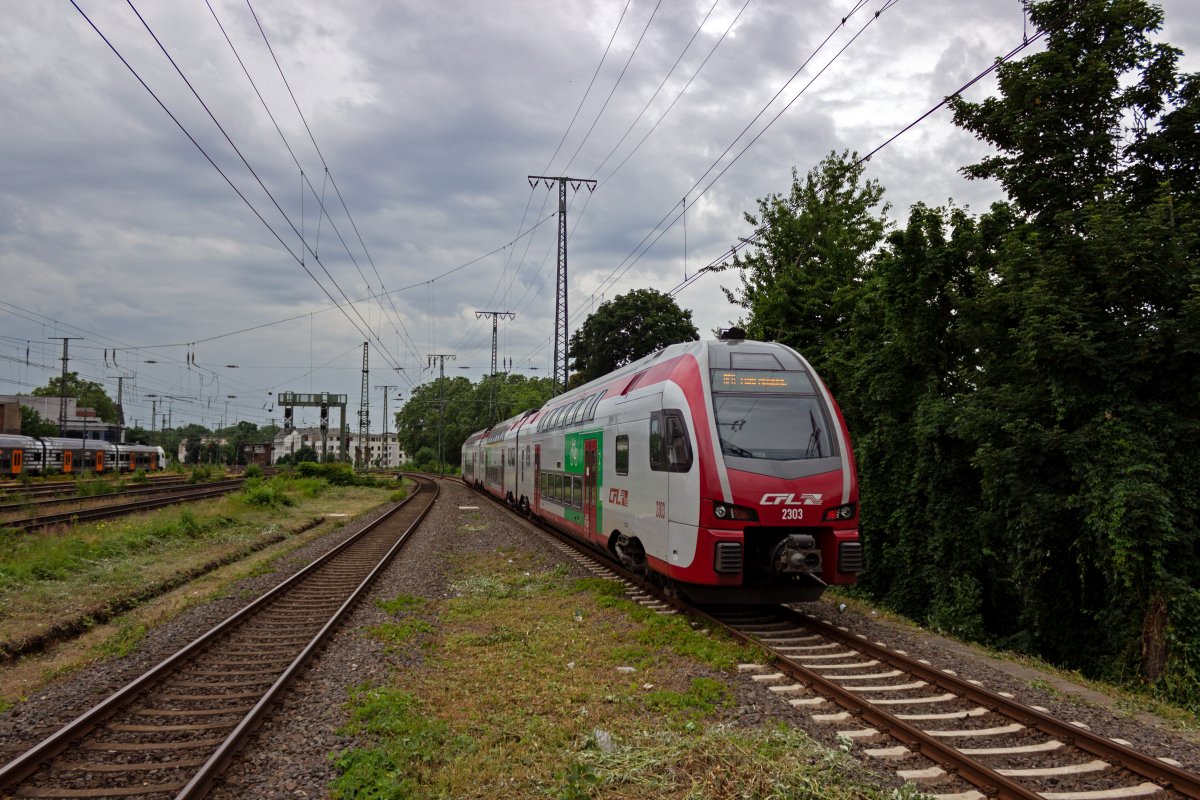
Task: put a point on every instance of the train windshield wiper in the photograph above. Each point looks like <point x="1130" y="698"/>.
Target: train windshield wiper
<point x="814" y="441"/>
<point x="732" y="449"/>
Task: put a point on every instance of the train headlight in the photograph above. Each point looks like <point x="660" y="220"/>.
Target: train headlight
<point x="725" y="511"/>
<point x="839" y="513"/>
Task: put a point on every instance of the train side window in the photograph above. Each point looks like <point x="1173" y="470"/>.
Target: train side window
<point x="678" y="448"/>
<point x="656" y="441"/>
<point x="622" y="455"/>
<point x="577" y="492"/>
<point x="670" y="450"/>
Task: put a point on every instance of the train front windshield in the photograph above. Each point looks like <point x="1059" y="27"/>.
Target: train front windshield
<point x="769" y="415"/>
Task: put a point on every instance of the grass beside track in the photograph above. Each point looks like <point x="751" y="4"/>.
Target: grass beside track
<point x="536" y="685"/>
<point x="50" y="576"/>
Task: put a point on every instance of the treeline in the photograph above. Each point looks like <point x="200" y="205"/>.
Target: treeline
<point x="1023" y="385"/>
<point x="454" y="408"/>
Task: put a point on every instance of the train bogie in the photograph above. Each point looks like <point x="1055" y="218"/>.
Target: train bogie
<point x="722" y="467"/>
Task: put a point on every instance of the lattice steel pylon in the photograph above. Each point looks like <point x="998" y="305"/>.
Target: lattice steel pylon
<point x="560" y="296"/>
<point x="495" y="315"/>
<point x="364" y="414"/>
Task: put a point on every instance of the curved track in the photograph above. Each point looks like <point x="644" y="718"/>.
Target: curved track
<point x="173" y="730"/>
<point x="956" y="738"/>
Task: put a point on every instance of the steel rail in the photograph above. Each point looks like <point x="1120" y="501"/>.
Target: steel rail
<point x="199" y="785"/>
<point x="1166" y="775"/>
<point x="59" y="498"/>
<point x="199" y="492"/>
<point x="32" y="760"/>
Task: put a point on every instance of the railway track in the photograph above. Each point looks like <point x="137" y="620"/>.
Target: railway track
<point x="165" y="496"/>
<point x="952" y="736"/>
<point x="69" y="488"/>
<point x="170" y="732"/>
<point x="59" y="496"/>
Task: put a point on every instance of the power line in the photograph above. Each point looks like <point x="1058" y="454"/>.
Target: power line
<point x="722" y="261"/>
<point x="215" y="166"/>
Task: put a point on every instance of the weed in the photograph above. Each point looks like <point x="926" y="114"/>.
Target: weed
<point x="394" y="634"/>
<point x="401" y="603"/>
<point x="123" y="642"/>
<point x="909" y="792"/>
<point x="577" y="782"/>
<point x="139" y="476"/>
<point x="702" y="699"/>
<point x="409" y="746"/>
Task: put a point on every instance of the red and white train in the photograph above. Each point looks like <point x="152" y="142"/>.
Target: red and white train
<point x="722" y="467"/>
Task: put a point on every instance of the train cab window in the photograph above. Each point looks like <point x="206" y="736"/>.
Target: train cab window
<point x="754" y="361"/>
<point x="622" y="450"/>
<point x="670" y="448"/>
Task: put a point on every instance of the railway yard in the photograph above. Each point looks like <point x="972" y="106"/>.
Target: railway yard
<point x="489" y="659"/>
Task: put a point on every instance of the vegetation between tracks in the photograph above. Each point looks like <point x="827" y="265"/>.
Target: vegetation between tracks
<point x="535" y="685"/>
<point x="53" y="576"/>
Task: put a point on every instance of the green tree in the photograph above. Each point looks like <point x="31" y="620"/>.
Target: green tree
<point x="625" y="329"/>
<point x="32" y="424"/>
<point x="1085" y="401"/>
<point x="800" y="284"/>
<point x="87" y="394"/>
<point x="1060" y="113"/>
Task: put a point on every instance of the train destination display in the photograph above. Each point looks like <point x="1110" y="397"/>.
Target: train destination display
<point x="761" y="381"/>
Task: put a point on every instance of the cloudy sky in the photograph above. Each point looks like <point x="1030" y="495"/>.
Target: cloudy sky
<point x="177" y="226"/>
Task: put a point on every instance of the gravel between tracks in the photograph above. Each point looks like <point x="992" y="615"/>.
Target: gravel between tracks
<point x="289" y="757"/>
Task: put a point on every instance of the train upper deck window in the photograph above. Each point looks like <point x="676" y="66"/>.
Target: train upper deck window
<point x="772" y="427"/>
<point x="591" y="409"/>
<point x="762" y="381"/>
<point x="580" y="410"/>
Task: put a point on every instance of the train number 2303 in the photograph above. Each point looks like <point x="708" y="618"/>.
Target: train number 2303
<point x="793" y="513"/>
<point x="660" y="509"/>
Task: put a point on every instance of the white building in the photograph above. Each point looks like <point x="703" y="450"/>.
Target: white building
<point x="379" y="453"/>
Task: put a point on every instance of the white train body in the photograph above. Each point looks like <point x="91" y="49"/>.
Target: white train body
<point x="724" y="467"/>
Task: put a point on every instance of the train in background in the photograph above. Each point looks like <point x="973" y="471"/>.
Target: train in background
<point x="722" y="468"/>
<point x="39" y="455"/>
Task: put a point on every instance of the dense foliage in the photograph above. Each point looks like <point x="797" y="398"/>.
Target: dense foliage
<point x="1023" y="386"/>
<point x="626" y="328"/>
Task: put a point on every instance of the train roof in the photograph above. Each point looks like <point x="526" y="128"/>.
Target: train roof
<point x="732" y="353"/>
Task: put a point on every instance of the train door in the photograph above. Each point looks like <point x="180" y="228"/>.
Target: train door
<point x="537" y="478"/>
<point x="99" y="461"/>
<point x="154" y="461"/>
<point x="18" y="457"/>
<point x="68" y="461"/>
<point x="590" y="469"/>
<point x="133" y="462"/>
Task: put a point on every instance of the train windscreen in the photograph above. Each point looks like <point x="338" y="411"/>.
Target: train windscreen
<point x="769" y="415"/>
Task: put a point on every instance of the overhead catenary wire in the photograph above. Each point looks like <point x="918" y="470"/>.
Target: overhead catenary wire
<point x="671" y="216"/>
<point x="332" y="179"/>
<point x="320" y="198"/>
<point x="213" y="163"/>
<point x="723" y="260"/>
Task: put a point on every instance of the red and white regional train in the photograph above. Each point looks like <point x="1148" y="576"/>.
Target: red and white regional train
<point x="722" y="467"/>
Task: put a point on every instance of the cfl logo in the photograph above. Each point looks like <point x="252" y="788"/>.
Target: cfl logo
<point x="790" y="500"/>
